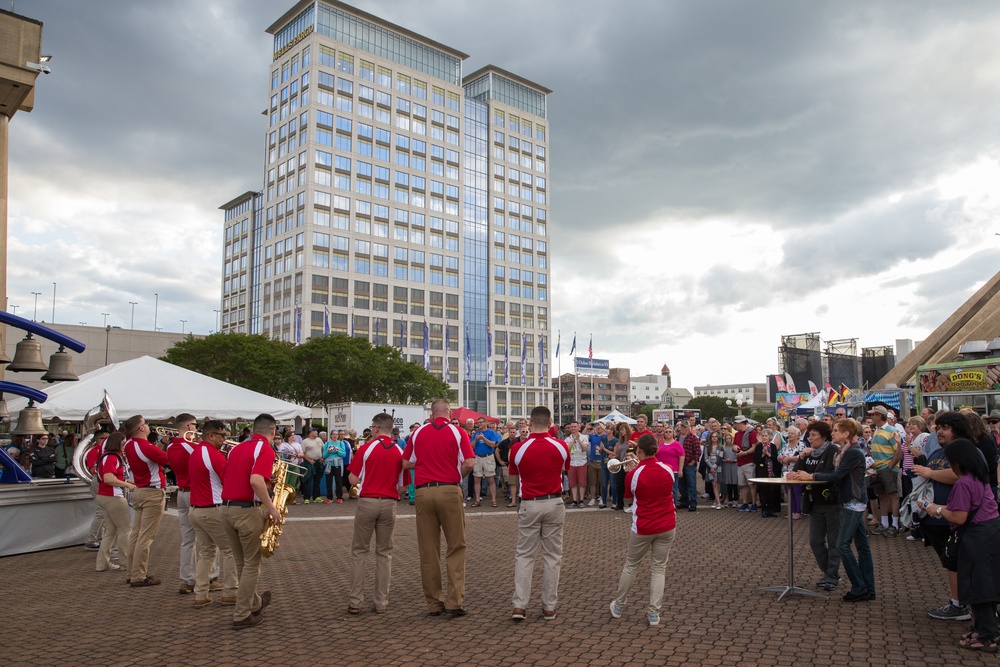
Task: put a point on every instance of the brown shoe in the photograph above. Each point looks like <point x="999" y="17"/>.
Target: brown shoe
<point x="185" y="589"/>
<point x="382" y="610"/>
<point x="265" y="599"/>
<point x="148" y="581"/>
<point x="248" y="622"/>
<point x="215" y="586"/>
<point x="549" y="614"/>
<point x="203" y="603"/>
<point x="228" y="601"/>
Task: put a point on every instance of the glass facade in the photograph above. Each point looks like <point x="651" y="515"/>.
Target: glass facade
<point x="384" y="43"/>
<point x="495" y="86"/>
<point x="299" y="26"/>
<point x="475" y="259"/>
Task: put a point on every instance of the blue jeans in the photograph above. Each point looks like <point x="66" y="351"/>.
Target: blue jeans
<point x="607" y="483"/>
<point x="690" y="484"/>
<point x="859" y="570"/>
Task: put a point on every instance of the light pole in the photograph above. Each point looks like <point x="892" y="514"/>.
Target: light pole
<point x="216" y="311"/>
<point x="132" y="326"/>
<point x="156" y="309"/>
<point x="14" y="312"/>
<point x="105" y="318"/>
<point x="34" y="316"/>
<point x="740" y="401"/>
<point x="53" y="303"/>
<point x="183" y="322"/>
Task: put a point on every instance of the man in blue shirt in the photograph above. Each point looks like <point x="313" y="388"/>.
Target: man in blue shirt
<point x="484" y="443"/>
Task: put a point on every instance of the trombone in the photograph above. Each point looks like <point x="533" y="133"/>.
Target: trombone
<point x="193" y="437"/>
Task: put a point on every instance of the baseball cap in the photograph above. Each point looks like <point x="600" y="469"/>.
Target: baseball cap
<point x="880" y="409"/>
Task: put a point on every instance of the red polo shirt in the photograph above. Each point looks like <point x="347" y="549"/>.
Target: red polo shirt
<point x="111" y="463"/>
<point x="90" y="461"/>
<point x="437" y="451"/>
<point x="750" y="441"/>
<point x="379" y="466"/>
<point x="251" y="457"/>
<point x="178" y="453"/>
<point x="651" y="483"/>
<point x="146" y="462"/>
<point x="206" y="470"/>
<point x="539" y="461"/>
<point x="638" y="434"/>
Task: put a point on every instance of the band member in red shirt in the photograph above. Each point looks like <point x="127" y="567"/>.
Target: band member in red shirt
<point x="654" y="518"/>
<point x="244" y="490"/>
<point x="377" y="469"/>
<point x="539" y="462"/>
<point x="93" y="542"/>
<point x="206" y="470"/>
<point x="146" y="463"/>
<point x="178" y="452"/>
<point x="112" y="477"/>
<point x="440" y="455"/>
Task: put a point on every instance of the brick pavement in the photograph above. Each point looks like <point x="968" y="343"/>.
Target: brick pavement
<point x="70" y="615"/>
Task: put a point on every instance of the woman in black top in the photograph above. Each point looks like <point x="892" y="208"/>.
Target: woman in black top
<point x="819" y="501"/>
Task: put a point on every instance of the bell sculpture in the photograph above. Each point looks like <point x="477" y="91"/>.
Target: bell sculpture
<point x="60" y="367"/>
<point x="28" y="357"/>
<point x="4" y="412"/>
<point x="29" y="421"/>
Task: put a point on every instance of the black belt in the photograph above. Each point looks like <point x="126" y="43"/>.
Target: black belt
<point x="438" y="484"/>
<point x="241" y="503"/>
<point x="202" y="507"/>
<point x="551" y="495"/>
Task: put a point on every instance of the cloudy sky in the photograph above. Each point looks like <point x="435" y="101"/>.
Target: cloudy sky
<point x="723" y="172"/>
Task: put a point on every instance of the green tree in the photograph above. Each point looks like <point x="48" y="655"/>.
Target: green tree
<point x="711" y="406"/>
<point x="254" y="362"/>
<point x="648" y="411"/>
<point x="759" y="415"/>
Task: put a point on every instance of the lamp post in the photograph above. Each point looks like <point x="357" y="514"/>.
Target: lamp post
<point x="132" y="325"/>
<point x="53" y="303"/>
<point x="14" y="311"/>
<point x="105" y="318"/>
<point x="216" y="311"/>
<point x="34" y="315"/>
<point x="156" y="309"/>
<point x="183" y="322"/>
<point x="740" y="401"/>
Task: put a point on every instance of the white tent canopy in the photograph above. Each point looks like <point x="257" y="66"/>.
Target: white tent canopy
<point x="616" y="416"/>
<point x="817" y="401"/>
<point x="158" y="391"/>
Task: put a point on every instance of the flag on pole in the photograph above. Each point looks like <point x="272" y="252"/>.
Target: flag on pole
<point x="832" y="397"/>
<point x="298" y="325"/>
<point x="427" y="347"/>
<point x="812" y="388"/>
<point x="489" y="356"/>
<point x="506" y="357"/>
<point x="447" y="344"/>
<point x="541" y="361"/>
<point x="558" y="342"/>
<point x="468" y="354"/>
<point x="326" y="320"/>
<point x="524" y="359"/>
<point x="572" y="348"/>
<point x="779" y="382"/>
<point x="844" y="393"/>
<point x="590" y="348"/>
<point x="789" y="383"/>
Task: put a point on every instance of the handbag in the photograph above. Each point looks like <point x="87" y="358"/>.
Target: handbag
<point x="949" y="555"/>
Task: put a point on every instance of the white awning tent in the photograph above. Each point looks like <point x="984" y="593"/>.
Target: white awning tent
<point x="158" y="391"/>
<point x="617" y="417"/>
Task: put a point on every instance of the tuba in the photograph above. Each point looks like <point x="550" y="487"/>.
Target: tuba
<point x="627" y="464"/>
<point x="284" y="475"/>
<point x="106" y="410"/>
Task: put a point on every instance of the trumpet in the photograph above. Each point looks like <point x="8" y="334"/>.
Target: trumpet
<point x="193" y="437"/>
<point x="627" y="464"/>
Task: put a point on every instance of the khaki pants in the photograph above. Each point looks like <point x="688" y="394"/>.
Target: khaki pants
<point x="638" y="545"/>
<point x="210" y="540"/>
<point x="244" y="526"/>
<point x="439" y="508"/>
<point x="97" y="525"/>
<point x="374" y="515"/>
<point x="594" y="480"/>
<point x="148" y="505"/>
<point x="187" y="562"/>
<point x="539" y="522"/>
<point x="118" y="521"/>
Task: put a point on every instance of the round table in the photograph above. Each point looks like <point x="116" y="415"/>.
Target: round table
<point x="790" y="588"/>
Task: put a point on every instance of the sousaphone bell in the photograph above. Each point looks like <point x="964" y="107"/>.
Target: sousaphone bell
<point x="28" y="357"/>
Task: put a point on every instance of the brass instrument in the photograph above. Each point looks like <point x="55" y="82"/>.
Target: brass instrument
<point x="283" y="476"/>
<point x="628" y="463"/>
<point x="194" y="437"/>
<point x="105" y="410"/>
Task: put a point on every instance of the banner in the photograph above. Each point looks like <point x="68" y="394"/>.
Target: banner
<point x="592" y="366"/>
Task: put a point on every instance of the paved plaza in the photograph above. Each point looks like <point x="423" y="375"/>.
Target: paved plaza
<point x="65" y="613"/>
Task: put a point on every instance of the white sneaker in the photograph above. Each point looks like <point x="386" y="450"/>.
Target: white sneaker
<point x="616" y="611"/>
<point x="591" y="503"/>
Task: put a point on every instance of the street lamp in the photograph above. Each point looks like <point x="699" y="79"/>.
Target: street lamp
<point x="183" y="322"/>
<point x="34" y="316"/>
<point x="740" y="401"/>
<point x="105" y="318"/>
<point x="14" y="312"/>
<point x="156" y="308"/>
<point x="53" y="303"/>
<point x="216" y="311"/>
<point x="132" y="325"/>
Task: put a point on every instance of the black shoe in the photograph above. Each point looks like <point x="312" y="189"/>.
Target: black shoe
<point x="692" y="509"/>
<point x="871" y="596"/>
<point x="265" y="599"/>
<point x="434" y="613"/>
<point x="861" y="597"/>
<point x="461" y="611"/>
<point x="247" y="622"/>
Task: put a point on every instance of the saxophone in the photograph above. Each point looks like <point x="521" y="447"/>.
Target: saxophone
<point x="283" y="476"/>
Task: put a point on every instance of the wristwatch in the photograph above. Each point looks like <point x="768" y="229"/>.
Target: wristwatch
<point x="939" y="511"/>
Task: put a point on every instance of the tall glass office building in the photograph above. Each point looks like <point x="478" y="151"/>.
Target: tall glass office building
<point x="401" y="202"/>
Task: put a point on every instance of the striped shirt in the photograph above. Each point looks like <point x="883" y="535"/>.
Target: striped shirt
<point x="883" y="446"/>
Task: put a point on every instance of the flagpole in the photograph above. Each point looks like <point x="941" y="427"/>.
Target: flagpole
<point x="576" y="384"/>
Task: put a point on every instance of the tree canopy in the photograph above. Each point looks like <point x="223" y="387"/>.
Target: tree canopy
<point x="711" y="406"/>
<point x="321" y="371"/>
